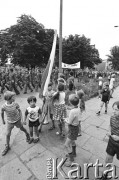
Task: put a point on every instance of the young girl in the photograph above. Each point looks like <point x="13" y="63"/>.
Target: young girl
<point x="48" y="106"/>
<point x="73" y="127"/>
<point x="14" y="117"/>
<point x="59" y="108"/>
<point x="33" y="113"/>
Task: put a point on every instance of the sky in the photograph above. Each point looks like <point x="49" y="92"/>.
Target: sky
<point x="93" y="18"/>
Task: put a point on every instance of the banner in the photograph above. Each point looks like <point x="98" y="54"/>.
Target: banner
<point x="47" y="73"/>
<point x="71" y="66"/>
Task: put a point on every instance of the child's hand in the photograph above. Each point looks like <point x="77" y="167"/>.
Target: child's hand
<point x="116" y="138"/>
<point x="4" y="122"/>
<point x="108" y="134"/>
<point x="24" y="122"/>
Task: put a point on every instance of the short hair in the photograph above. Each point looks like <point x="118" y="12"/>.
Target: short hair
<point x="80" y="93"/>
<point x="73" y="99"/>
<point x="8" y="95"/>
<point x="31" y="98"/>
<point x="62" y="76"/>
<point x="50" y="84"/>
<point x="61" y="87"/>
<point x="116" y="103"/>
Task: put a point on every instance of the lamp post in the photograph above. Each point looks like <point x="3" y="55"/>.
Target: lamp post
<point x="60" y="37"/>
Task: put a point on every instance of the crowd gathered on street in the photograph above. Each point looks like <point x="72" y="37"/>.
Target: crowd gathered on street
<point x="63" y="105"/>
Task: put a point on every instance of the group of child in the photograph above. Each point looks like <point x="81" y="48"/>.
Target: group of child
<point x="54" y="105"/>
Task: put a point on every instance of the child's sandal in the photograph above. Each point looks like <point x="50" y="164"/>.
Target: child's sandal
<point x="36" y="140"/>
<point x="27" y="138"/>
<point x="7" y="148"/>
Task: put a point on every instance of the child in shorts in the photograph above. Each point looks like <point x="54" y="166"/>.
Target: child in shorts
<point x="73" y="127"/>
<point x="81" y="105"/>
<point x="14" y="117"/>
<point x="33" y="113"/>
<point x="105" y="97"/>
<point x="113" y="143"/>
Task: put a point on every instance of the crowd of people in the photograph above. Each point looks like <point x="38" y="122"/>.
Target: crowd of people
<point x="64" y="105"/>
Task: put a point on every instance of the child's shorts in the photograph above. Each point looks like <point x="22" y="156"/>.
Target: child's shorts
<point x="113" y="148"/>
<point x="73" y="132"/>
<point x="34" y="124"/>
<point x="10" y="126"/>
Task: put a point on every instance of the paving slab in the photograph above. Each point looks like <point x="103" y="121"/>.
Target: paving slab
<point x="94" y="120"/>
<point x="32" y="153"/>
<point x="96" y="147"/>
<point x="81" y="140"/>
<point x="14" y="170"/>
<point x="96" y="132"/>
<point x="38" y="165"/>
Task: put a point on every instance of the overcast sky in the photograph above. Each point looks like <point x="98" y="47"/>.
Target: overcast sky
<point x="93" y="18"/>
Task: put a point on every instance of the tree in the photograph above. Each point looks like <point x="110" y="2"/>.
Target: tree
<point x="28" y="42"/>
<point x="114" y="57"/>
<point x="77" y="48"/>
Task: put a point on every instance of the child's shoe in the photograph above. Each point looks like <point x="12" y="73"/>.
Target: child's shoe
<point x="51" y="128"/>
<point x="31" y="140"/>
<point x="105" y="111"/>
<point x="7" y="148"/>
<point x="27" y="137"/>
<point x="98" y="113"/>
<point x="36" y="140"/>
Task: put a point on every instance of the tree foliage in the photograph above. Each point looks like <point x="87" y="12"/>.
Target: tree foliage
<point x="29" y="43"/>
<point x="114" y="57"/>
<point x="77" y="48"/>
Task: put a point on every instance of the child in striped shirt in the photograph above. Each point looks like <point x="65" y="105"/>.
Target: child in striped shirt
<point x="113" y="143"/>
<point x="14" y="117"/>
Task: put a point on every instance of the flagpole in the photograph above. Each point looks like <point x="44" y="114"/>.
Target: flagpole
<point x="60" y="37"/>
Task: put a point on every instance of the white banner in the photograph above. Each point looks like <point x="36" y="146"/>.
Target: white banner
<point x="71" y="66"/>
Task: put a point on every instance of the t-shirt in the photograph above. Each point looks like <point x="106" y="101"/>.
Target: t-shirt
<point x="12" y="112"/>
<point x="33" y="113"/>
<point x="114" y="123"/>
<point x="111" y="82"/>
<point x="75" y="116"/>
<point x="61" y="98"/>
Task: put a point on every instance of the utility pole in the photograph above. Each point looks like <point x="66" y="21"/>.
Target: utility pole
<point x="60" y="37"/>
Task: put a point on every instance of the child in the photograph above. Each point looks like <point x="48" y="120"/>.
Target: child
<point x="80" y="95"/>
<point x="111" y="85"/>
<point x="100" y="85"/>
<point x="73" y="127"/>
<point x="105" y="97"/>
<point x="59" y="108"/>
<point x="14" y="116"/>
<point x="49" y="106"/>
<point x="33" y="113"/>
<point x="113" y="143"/>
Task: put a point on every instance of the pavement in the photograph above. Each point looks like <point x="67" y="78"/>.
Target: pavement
<point x="32" y="162"/>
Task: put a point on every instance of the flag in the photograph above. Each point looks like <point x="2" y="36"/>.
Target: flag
<point x="47" y="73"/>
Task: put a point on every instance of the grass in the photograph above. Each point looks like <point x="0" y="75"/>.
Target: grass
<point x="90" y="86"/>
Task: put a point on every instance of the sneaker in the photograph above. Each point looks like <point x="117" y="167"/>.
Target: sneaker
<point x="105" y="112"/>
<point x="31" y="140"/>
<point x="7" y="148"/>
<point x="98" y="113"/>
<point x="51" y="128"/>
<point x="36" y="140"/>
<point x="27" y="138"/>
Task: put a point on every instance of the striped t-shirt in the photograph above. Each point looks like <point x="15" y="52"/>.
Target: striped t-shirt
<point x="12" y="112"/>
<point x="114" y="123"/>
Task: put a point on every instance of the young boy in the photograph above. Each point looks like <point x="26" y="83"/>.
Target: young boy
<point x="113" y="143"/>
<point x="33" y="114"/>
<point x="73" y="127"/>
<point x="14" y="116"/>
<point x="105" y="97"/>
